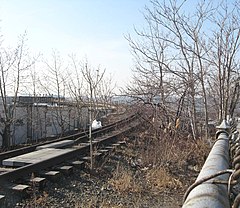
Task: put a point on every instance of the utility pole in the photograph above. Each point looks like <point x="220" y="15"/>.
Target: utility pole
<point x="90" y="128"/>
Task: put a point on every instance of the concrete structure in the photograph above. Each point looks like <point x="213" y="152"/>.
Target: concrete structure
<point x="33" y="121"/>
<point x="46" y="116"/>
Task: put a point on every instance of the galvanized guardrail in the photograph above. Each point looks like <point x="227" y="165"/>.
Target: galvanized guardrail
<point x="213" y="184"/>
<point x="235" y="164"/>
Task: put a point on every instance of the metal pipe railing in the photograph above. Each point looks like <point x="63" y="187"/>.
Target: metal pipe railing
<point x="235" y="162"/>
<point x="213" y="192"/>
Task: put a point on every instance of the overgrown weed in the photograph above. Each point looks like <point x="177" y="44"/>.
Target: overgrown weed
<point x="166" y="151"/>
<point x="159" y="179"/>
<point x="123" y="181"/>
<point x="160" y="162"/>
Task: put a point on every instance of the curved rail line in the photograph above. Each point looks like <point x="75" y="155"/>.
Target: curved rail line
<point x="80" y="150"/>
<point x="78" y="137"/>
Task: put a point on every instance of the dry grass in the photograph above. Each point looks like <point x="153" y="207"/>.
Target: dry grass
<point x="163" y="161"/>
<point x="124" y="182"/>
<point x="166" y="151"/>
<point x="154" y="180"/>
<point x="158" y="180"/>
<point x="42" y="199"/>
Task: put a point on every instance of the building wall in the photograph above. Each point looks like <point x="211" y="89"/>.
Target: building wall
<point x="31" y="123"/>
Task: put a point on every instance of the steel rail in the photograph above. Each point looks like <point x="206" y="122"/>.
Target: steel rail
<point x="209" y="193"/>
<point x="39" y="166"/>
<point x="78" y="137"/>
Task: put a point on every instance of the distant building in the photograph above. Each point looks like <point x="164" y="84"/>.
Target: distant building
<point x="42" y="117"/>
<point x="38" y="117"/>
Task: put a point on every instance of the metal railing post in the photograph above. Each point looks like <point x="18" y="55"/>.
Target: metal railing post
<point x="209" y="193"/>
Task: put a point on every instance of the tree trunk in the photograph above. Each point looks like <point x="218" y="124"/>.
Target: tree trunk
<point x="6" y="136"/>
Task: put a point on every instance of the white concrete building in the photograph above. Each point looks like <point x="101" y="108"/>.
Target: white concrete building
<point x="35" y="120"/>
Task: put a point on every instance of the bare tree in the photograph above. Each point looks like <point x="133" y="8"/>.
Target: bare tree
<point x="55" y="84"/>
<point x="167" y="54"/>
<point x="224" y="55"/>
<point x="93" y="78"/>
<point x="76" y="86"/>
<point x="13" y="66"/>
<point x="106" y="92"/>
<point x="176" y="60"/>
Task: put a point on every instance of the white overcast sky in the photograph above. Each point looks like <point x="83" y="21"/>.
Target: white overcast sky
<point x="92" y="29"/>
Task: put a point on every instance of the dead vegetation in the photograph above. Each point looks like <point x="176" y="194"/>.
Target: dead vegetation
<point x="123" y="181"/>
<point x="146" y="172"/>
<point x="158" y="166"/>
<point x="159" y="179"/>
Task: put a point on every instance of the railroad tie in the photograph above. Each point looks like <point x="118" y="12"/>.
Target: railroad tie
<point x="2" y="200"/>
<point x="19" y="189"/>
<point x="51" y="175"/>
<point x="84" y="144"/>
<point x="96" y="156"/>
<point x="116" y="145"/>
<point x="122" y="143"/>
<point x="5" y="169"/>
<point x="66" y="170"/>
<point x="86" y="158"/>
<point x="78" y="164"/>
<point x="38" y="182"/>
<point x="110" y="148"/>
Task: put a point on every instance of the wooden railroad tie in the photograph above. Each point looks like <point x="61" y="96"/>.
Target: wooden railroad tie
<point x="78" y="164"/>
<point x="2" y="200"/>
<point x="51" y="175"/>
<point x="116" y="145"/>
<point x="96" y="156"/>
<point x="84" y="144"/>
<point x="66" y="170"/>
<point x="38" y="182"/>
<point x="6" y="169"/>
<point x="122" y="143"/>
<point x="19" y="189"/>
<point x="110" y="148"/>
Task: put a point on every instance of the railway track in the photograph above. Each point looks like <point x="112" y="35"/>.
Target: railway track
<point x="78" y="137"/>
<point x="74" y="150"/>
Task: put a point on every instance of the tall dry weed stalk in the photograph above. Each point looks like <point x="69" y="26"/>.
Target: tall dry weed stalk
<point x="166" y="150"/>
<point x="123" y="181"/>
<point x="159" y="179"/>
